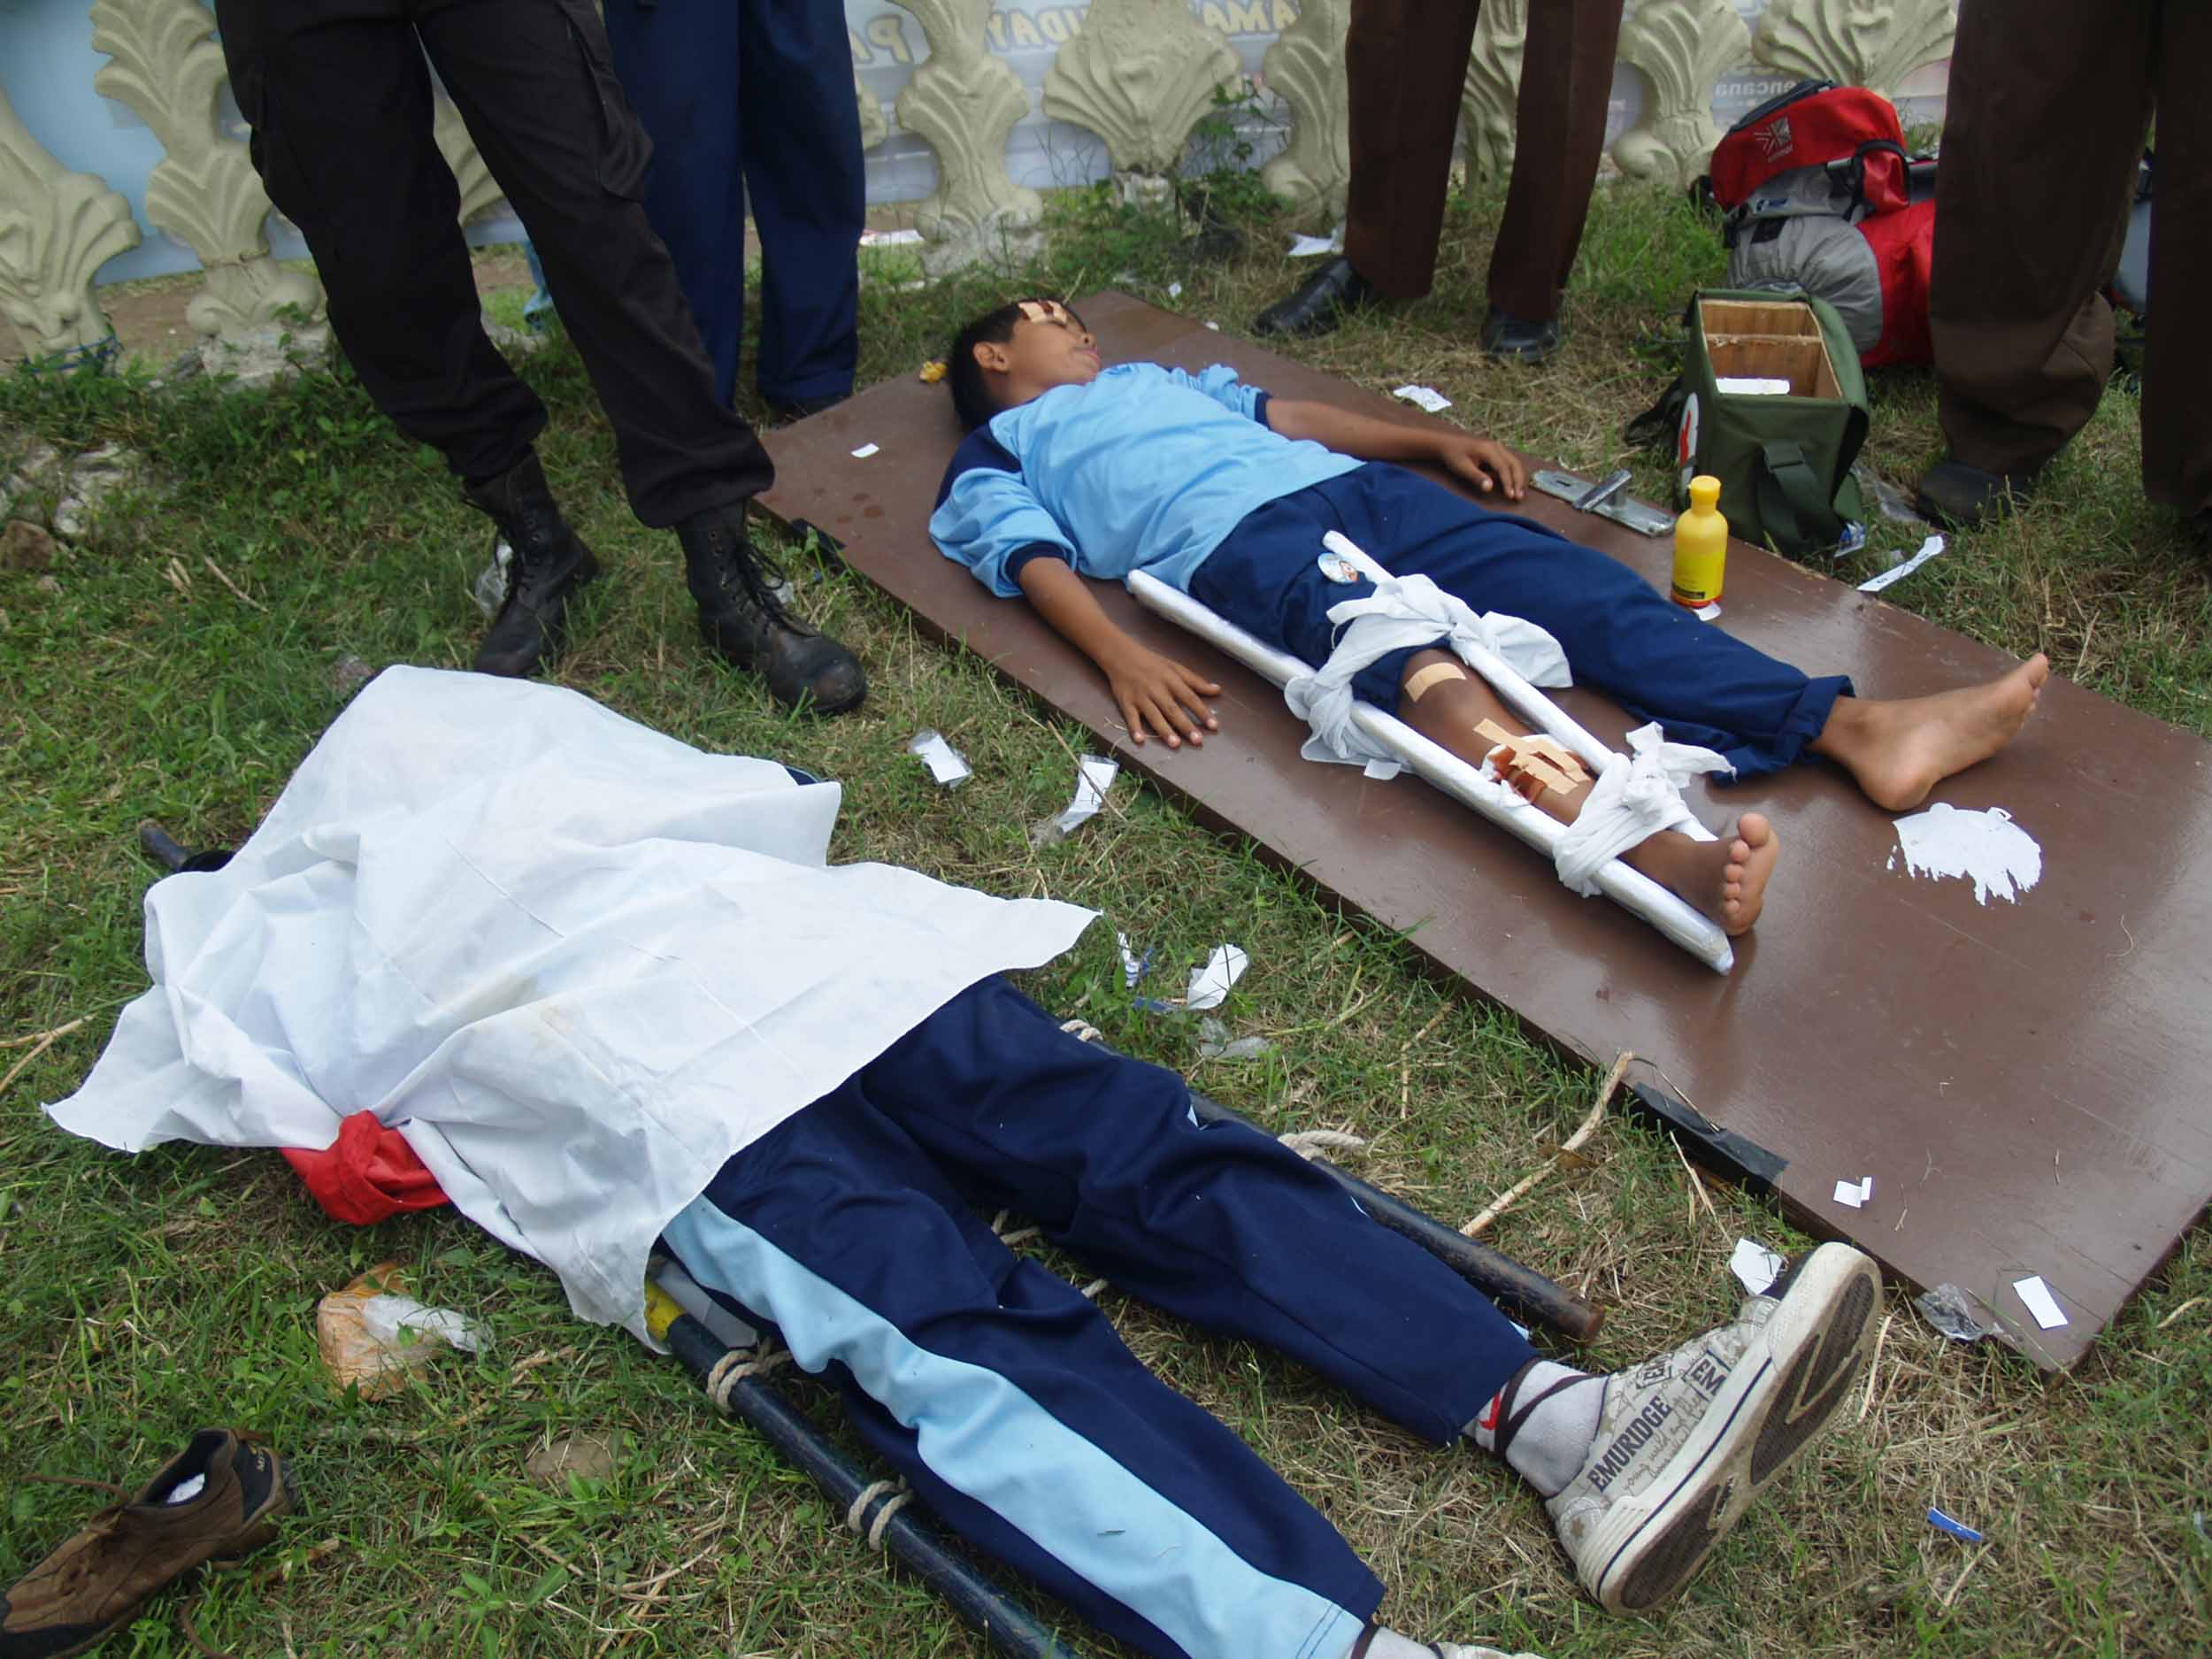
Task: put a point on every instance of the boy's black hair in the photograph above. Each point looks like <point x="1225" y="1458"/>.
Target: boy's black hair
<point x="964" y="377"/>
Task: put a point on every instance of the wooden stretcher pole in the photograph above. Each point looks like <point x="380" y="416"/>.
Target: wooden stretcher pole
<point x="1007" y="1626"/>
<point x="1516" y="1288"/>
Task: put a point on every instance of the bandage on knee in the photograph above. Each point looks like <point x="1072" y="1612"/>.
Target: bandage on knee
<point x="1430" y="678"/>
<point x="1533" y="760"/>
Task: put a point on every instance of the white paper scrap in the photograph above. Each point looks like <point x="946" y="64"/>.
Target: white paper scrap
<point x="1708" y="613"/>
<point x="188" y="1490"/>
<point x="1215" y="326"/>
<point x="1175" y="290"/>
<point x="889" y="238"/>
<point x="946" y="763"/>
<point x="1855" y="1194"/>
<point x="1751" y="386"/>
<point x="1132" y="963"/>
<point x="1426" y="396"/>
<point x="1757" y="1266"/>
<point x="1984" y="847"/>
<point x="1929" y="548"/>
<point x="2039" y="1301"/>
<point x="1313" y="247"/>
<point x="1094" y="776"/>
<point x="866" y="450"/>
<point x="1209" y="985"/>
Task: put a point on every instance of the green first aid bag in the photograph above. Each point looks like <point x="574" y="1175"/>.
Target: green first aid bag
<point x="1771" y="402"/>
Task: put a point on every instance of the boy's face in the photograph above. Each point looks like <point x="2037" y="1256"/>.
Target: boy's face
<point x="1050" y="347"/>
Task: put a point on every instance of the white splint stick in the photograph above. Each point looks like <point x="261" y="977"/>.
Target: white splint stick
<point x="1437" y="765"/>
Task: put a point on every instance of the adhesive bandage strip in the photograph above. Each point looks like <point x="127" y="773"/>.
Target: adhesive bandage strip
<point x="1467" y="784"/>
<point x="1434" y="675"/>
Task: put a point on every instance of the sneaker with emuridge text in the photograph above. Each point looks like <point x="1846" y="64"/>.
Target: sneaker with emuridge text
<point x="1686" y="1440"/>
<point x="217" y="1500"/>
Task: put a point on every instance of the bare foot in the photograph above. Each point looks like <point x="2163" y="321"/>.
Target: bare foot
<point x="1726" y="879"/>
<point x="1898" y="750"/>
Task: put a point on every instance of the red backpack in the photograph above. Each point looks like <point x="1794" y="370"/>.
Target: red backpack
<point x="1820" y="195"/>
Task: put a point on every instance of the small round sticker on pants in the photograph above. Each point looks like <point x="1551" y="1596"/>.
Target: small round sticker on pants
<point x="1337" y="568"/>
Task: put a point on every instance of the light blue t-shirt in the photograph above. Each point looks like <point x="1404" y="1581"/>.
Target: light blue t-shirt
<point x="1145" y="468"/>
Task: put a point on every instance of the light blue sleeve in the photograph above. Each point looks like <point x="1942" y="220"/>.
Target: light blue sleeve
<point x="1221" y="384"/>
<point x="987" y="517"/>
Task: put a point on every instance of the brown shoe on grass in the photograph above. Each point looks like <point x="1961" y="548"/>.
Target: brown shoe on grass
<point x="99" y="1578"/>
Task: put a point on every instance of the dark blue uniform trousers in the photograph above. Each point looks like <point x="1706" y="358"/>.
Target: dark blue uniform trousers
<point x="1621" y="636"/>
<point x="1006" y="1399"/>
<point x="753" y="96"/>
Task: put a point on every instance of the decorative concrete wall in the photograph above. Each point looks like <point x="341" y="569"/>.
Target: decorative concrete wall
<point x="957" y="120"/>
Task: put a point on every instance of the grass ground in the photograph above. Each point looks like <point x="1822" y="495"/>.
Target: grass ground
<point x="143" y="1297"/>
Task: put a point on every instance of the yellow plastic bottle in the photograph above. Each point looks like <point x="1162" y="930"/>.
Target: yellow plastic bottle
<point x="1700" y="546"/>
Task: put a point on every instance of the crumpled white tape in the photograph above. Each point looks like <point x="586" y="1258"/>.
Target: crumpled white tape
<point x="1630" y="804"/>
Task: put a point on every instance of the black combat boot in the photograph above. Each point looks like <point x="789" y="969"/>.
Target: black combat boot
<point x="742" y="618"/>
<point x="550" y="562"/>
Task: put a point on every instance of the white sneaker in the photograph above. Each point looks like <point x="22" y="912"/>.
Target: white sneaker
<point x="1686" y="1440"/>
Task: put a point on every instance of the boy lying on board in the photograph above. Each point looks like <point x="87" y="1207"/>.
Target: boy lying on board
<point x="1072" y="469"/>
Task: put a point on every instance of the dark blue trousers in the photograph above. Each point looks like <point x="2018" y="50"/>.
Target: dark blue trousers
<point x="754" y="96"/>
<point x="1620" y="635"/>
<point x="1006" y="1399"/>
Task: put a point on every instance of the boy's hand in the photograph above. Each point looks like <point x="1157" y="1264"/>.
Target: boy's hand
<point x="1156" y="691"/>
<point x="1480" y="461"/>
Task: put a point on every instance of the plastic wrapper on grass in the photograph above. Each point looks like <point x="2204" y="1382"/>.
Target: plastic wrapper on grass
<point x="373" y="1334"/>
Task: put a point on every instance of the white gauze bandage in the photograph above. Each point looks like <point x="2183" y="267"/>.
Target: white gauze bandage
<point x="1403" y="612"/>
<point x="1630" y="803"/>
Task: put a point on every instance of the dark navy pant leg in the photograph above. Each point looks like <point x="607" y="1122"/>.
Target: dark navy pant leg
<point x="1620" y="635"/>
<point x="679" y="63"/>
<point x="1220" y="1225"/>
<point x="1009" y="1402"/>
<point x="804" y="170"/>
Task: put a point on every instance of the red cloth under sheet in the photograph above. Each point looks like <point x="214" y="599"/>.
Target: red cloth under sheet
<point x="368" y="1173"/>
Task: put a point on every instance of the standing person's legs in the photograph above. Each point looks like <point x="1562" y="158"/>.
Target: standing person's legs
<point x="341" y="108"/>
<point x="805" y="169"/>
<point x="1008" y="1402"/>
<point x="679" y="63"/>
<point x="1407" y="61"/>
<point x="537" y="85"/>
<point x="539" y="93"/>
<point x="2040" y="140"/>
<point x="1566" y="85"/>
<point x="2177" y="388"/>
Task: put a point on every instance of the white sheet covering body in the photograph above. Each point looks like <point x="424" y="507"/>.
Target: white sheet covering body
<point x="576" y="963"/>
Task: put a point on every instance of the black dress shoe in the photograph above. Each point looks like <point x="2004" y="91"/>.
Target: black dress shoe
<point x="1511" y="339"/>
<point x="1961" y="496"/>
<point x="1320" y="304"/>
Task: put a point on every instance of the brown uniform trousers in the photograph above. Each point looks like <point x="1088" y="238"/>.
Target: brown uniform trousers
<point x="2048" y="111"/>
<point x="1408" y="62"/>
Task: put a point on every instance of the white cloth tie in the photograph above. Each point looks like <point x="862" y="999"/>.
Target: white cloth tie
<point x="1630" y="803"/>
<point x="1403" y="612"/>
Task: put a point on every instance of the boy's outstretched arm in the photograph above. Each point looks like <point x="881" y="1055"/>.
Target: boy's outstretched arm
<point x="1483" y="462"/>
<point x="1151" y="689"/>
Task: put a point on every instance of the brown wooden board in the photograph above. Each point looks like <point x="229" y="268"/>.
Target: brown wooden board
<point x="2027" y="1083"/>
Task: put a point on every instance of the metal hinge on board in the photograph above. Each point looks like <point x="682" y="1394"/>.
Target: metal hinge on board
<point x="1641" y="517"/>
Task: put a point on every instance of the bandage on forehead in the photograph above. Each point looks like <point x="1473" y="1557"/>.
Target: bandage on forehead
<point x="1048" y="311"/>
<point x="1428" y="678"/>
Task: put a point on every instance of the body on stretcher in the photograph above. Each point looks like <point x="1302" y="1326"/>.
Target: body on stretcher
<point x="1471" y="786"/>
